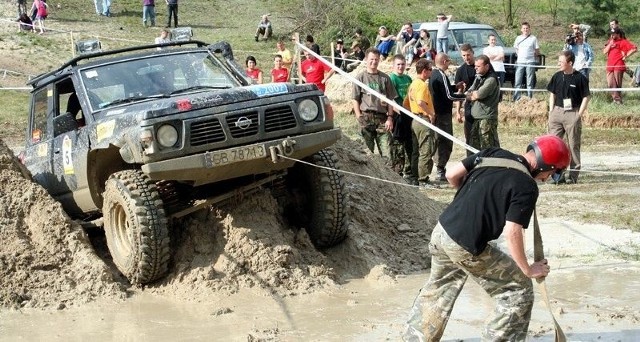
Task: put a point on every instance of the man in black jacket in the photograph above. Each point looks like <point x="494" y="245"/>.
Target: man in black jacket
<point x="466" y="73"/>
<point x="443" y="94"/>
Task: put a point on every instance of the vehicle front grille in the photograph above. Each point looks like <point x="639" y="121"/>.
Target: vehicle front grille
<point x="206" y="132"/>
<point x="279" y="118"/>
<point x="243" y="124"/>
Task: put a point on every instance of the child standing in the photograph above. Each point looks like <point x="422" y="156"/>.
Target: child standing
<point x="41" y="14"/>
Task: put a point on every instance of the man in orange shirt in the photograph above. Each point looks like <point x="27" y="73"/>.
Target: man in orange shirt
<point x="424" y="139"/>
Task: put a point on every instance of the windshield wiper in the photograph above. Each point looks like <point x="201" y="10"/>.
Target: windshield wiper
<point x="198" y="87"/>
<point x="133" y="99"/>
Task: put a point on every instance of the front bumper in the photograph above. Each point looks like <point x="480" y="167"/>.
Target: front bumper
<point x="198" y="169"/>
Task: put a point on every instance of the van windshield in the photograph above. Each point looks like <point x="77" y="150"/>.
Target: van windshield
<point x="478" y="38"/>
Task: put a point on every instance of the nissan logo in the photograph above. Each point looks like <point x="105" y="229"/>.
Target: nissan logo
<point x="243" y="122"/>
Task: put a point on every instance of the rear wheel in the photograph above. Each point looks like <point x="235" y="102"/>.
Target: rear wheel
<point x="136" y="226"/>
<point x="317" y="199"/>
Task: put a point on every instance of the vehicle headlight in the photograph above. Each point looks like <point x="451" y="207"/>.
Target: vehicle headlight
<point x="167" y="135"/>
<point x="308" y="110"/>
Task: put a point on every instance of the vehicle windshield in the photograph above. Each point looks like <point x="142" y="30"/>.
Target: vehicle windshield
<point x="153" y="77"/>
<point x="478" y="38"/>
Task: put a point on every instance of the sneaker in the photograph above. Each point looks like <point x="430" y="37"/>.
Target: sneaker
<point x="256" y="37"/>
<point x="571" y="180"/>
<point x="629" y="72"/>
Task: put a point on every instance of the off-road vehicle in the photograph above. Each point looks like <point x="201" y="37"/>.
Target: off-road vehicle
<point x="138" y="136"/>
<point x="477" y="35"/>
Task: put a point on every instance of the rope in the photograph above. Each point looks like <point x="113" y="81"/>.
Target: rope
<point x="351" y="173"/>
<point x="389" y="102"/>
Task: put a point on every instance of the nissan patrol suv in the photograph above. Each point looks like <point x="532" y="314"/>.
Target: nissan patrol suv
<point x="136" y="137"/>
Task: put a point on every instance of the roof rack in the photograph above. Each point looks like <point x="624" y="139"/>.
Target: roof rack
<point x="74" y="62"/>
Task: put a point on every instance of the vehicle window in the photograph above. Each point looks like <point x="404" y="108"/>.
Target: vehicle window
<point x="452" y="41"/>
<point x="478" y="38"/>
<point x="136" y="80"/>
<point x="39" y="122"/>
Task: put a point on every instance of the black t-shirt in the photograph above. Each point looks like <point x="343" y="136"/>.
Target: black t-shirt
<point x="488" y="197"/>
<point x="466" y="73"/>
<point x="574" y="86"/>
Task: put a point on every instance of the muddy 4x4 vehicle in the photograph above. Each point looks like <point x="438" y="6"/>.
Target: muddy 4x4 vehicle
<point x="478" y="36"/>
<point x="135" y="137"/>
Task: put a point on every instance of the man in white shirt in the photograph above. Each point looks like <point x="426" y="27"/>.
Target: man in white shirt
<point x="496" y="55"/>
<point x="527" y="49"/>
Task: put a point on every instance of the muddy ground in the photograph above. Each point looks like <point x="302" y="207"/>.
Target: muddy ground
<point x="239" y="273"/>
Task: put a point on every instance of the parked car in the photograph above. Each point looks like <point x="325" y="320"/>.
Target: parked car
<point x="477" y="35"/>
<point x="135" y="137"/>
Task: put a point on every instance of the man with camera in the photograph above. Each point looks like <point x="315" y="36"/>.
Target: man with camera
<point x="581" y="50"/>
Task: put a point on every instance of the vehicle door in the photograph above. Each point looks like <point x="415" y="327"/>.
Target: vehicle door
<point x="38" y="150"/>
<point x="66" y="143"/>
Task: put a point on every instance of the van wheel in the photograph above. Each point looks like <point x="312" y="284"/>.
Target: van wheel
<point x="318" y="201"/>
<point x="136" y="226"/>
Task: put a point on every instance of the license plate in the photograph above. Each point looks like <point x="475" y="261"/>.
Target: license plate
<point x="234" y="155"/>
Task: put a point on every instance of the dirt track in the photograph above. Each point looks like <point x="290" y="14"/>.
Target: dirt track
<point x="248" y="276"/>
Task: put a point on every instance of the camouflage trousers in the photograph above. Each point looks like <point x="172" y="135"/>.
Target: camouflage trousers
<point x="400" y="153"/>
<point x="484" y="134"/>
<point x="374" y="133"/>
<point x="495" y="271"/>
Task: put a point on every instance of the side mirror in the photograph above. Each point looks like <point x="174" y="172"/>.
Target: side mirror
<point x="64" y="123"/>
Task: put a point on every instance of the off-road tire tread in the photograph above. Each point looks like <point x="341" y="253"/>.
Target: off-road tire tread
<point x="149" y="258"/>
<point x="328" y="225"/>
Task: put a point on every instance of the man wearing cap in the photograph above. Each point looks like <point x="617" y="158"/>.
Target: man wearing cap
<point x="618" y="49"/>
<point x="374" y="116"/>
<point x="384" y="41"/>
<point x="365" y="43"/>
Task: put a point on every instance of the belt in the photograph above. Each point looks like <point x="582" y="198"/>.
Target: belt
<point x="574" y="109"/>
<point x="374" y="112"/>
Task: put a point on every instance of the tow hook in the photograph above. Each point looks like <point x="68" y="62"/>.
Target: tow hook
<point x="285" y="148"/>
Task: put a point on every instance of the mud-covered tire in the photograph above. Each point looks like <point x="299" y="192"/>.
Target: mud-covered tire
<point x="136" y="226"/>
<point x="320" y="199"/>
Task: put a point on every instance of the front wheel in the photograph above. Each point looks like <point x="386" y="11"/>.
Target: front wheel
<point x="136" y="226"/>
<point x="318" y="200"/>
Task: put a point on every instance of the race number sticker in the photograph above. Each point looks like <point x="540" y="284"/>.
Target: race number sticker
<point x="67" y="157"/>
<point x="42" y="150"/>
<point x="105" y="129"/>
<point x="270" y="89"/>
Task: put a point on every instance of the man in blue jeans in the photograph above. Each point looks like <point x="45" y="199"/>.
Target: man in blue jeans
<point x="527" y="48"/>
<point x="442" y="37"/>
